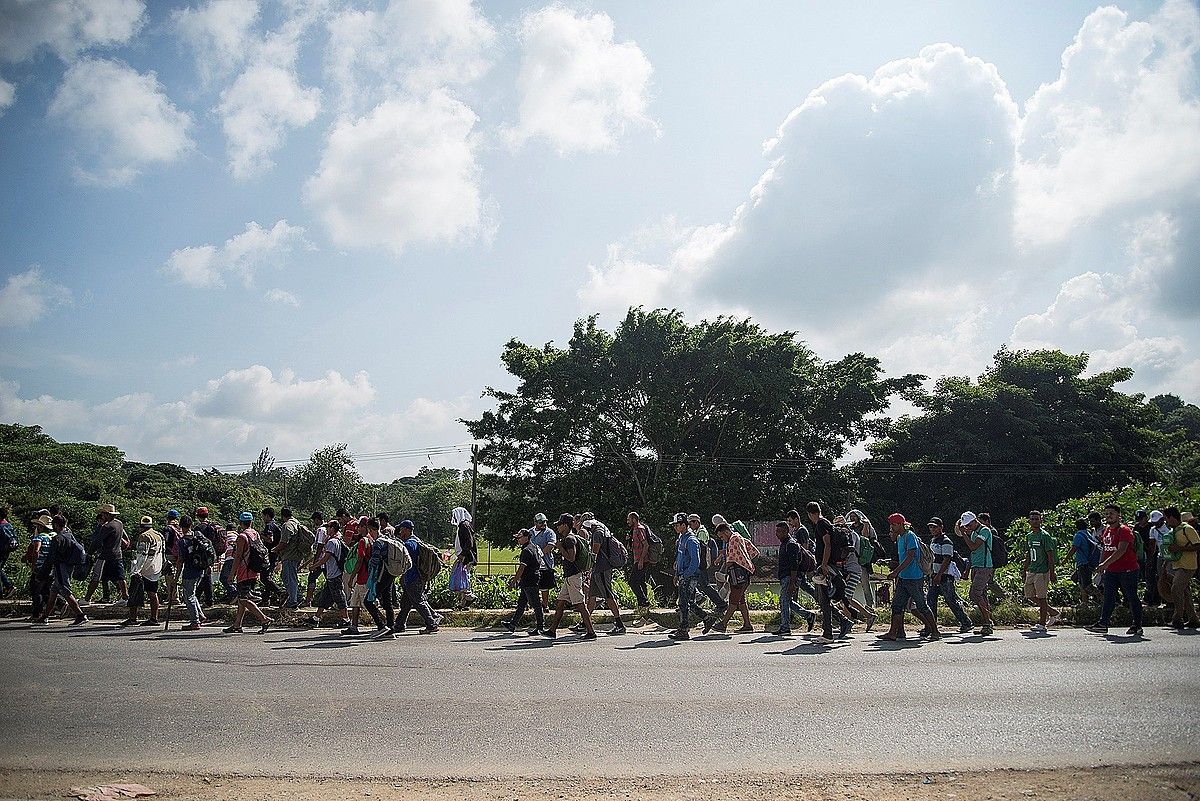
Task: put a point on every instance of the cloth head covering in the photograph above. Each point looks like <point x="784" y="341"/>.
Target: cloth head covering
<point x="718" y="520"/>
<point x="459" y="515"/>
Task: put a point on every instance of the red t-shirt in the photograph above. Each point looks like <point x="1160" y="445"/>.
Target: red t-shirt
<point x="363" y="547"/>
<point x="1110" y="540"/>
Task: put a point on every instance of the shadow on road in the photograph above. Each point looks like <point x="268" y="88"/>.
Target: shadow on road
<point x="529" y="644"/>
<point x="1037" y="635"/>
<point x="649" y="644"/>
<point x="974" y="638"/>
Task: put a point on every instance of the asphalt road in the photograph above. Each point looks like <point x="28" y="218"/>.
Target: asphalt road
<point x="481" y="703"/>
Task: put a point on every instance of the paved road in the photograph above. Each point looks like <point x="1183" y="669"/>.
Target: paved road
<point x="292" y="703"/>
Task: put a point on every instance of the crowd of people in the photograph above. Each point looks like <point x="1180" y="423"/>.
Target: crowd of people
<point x="273" y="566"/>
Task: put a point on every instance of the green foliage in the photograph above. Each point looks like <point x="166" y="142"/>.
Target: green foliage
<point x="1031" y="431"/>
<point x="427" y="499"/>
<point x="663" y="414"/>
<point x="326" y="482"/>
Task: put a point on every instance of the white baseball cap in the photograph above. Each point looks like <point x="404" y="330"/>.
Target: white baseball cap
<point x="1156" y="516"/>
<point x="967" y="519"/>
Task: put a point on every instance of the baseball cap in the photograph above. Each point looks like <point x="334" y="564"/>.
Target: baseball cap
<point x="539" y="518"/>
<point x="935" y="521"/>
<point x="1140" y="513"/>
<point x="246" y="517"/>
<point x="967" y="519"/>
<point x="679" y="517"/>
<point x="565" y="519"/>
<point x="201" y="511"/>
<point x="146" y="520"/>
<point x="173" y="514"/>
<point x="408" y="524"/>
<point x="695" y="517"/>
<point x="521" y="532"/>
<point x="897" y="518"/>
<point x="587" y="516"/>
<point x="1156" y="516"/>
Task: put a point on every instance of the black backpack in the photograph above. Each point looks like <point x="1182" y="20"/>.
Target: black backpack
<point x="839" y="545"/>
<point x="258" y="559"/>
<point x="999" y="550"/>
<point x="200" y="554"/>
<point x="654" y="548"/>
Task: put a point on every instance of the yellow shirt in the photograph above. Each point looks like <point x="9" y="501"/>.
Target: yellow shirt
<point x="1183" y="535"/>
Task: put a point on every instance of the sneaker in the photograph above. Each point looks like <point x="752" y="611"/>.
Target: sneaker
<point x="1053" y="620"/>
<point x="312" y="621"/>
<point x="823" y="640"/>
<point x="966" y="628"/>
<point x="847" y="627"/>
<point x="720" y="627"/>
<point x="618" y="629"/>
<point x="150" y="622"/>
<point x="232" y="630"/>
<point x="429" y="630"/>
<point x="933" y="636"/>
<point x="1134" y="631"/>
<point x="590" y="636"/>
<point x="809" y="621"/>
<point x="1037" y="627"/>
<point x="745" y="630"/>
<point x="923" y="633"/>
<point x="785" y="633"/>
<point x="708" y="624"/>
<point x="351" y="631"/>
<point x="550" y="634"/>
<point x="535" y="632"/>
<point x="987" y="631"/>
<point x="79" y="621"/>
<point x="1191" y="626"/>
<point x="1097" y="629"/>
<point x="872" y="619"/>
<point x="512" y="629"/>
<point x="127" y="622"/>
<point x="680" y="635"/>
<point x="578" y="627"/>
<point x="385" y="634"/>
<point x="41" y="621"/>
<point x="265" y="627"/>
<point x="191" y="627"/>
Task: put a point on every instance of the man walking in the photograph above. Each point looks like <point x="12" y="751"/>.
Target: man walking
<point x="1086" y="552"/>
<point x="413" y="590"/>
<point x="320" y="535"/>
<point x="271" y="534"/>
<point x="638" y="573"/>
<point x="1038" y="569"/>
<point x="246" y="573"/>
<point x="545" y="539"/>
<point x="943" y="583"/>
<point x="329" y="560"/>
<point x="196" y="558"/>
<point x="1182" y="547"/>
<point x="147" y="572"/>
<point x="66" y="554"/>
<point x="111" y="538"/>
<point x="830" y="556"/>
<point x="709" y="551"/>
<point x="218" y="540"/>
<point x="687" y="573"/>
<point x="8" y="544"/>
<point x="295" y="547"/>
<point x="1119" y="569"/>
<point x="529" y="565"/>
<point x="576" y="566"/>
<point x="909" y="581"/>
<point x="978" y="539"/>
<point x="603" y="546"/>
<point x="788" y="573"/>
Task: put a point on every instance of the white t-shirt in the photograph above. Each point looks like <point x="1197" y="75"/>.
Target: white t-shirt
<point x="944" y="550"/>
<point x="1159" y="532"/>
<point x="334" y="548"/>
<point x="322" y="535"/>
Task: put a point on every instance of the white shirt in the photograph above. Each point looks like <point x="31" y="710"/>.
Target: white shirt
<point x="944" y="550"/>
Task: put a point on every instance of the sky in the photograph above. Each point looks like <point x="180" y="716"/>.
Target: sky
<point x="233" y="224"/>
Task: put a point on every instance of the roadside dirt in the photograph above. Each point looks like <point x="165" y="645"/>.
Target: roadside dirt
<point x="1168" y="782"/>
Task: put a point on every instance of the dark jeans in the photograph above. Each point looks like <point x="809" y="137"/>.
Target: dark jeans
<point x="529" y="597"/>
<point x="271" y="589"/>
<point x="226" y="582"/>
<point x="946" y="589"/>
<point x="1149" y="571"/>
<point x="415" y="597"/>
<point x="1127" y="582"/>
<point x="5" y="582"/>
<point x="39" y="591"/>
<point x="204" y="587"/>
<point x="385" y="587"/>
<point x="825" y="593"/>
<point x="637" y="578"/>
<point x="706" y="588"/>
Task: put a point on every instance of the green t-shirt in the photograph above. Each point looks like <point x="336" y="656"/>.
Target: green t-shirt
<point x="982" y="556"/>
<point x="1040" y="544"/>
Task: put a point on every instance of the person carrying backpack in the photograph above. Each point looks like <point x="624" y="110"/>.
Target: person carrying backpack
<point x="196" y="558"/>
<point x="529" y="566"/>
<point x="608" y="554"/>
<point x="642" y="557"/>
<point x="831" y="548"/>
<point x="577" y="563"/>
<point x="943" y="582"/>
<point x="66" y="557"/>
<point x="909" y="578"/>
<point x="295" y="547"/>
<point x="330" y="560"/>
<point x="979" y="539"/>
<point x="390" y="560"/>
<point x="147" y="569"/>
<point x="249" y="561"/>
<point x="1086" y="552"/>
<point x="414" y="589"/>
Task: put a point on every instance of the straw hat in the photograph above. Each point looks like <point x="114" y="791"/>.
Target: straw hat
<point x="108" y="509"/>
<point x="44" y="521"/>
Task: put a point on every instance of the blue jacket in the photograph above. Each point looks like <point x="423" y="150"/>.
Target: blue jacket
<point x="412" y="574"/>
<point x="687" y="560"/>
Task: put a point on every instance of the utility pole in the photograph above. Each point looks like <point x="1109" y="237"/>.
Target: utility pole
<point x="474" y="476"/>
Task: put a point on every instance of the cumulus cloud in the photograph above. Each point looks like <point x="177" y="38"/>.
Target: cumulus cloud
<point x="229" y="418"/>
<point x="916" y="214"/>
<point x="219" y="33"/>
<point x="206" y="266"/>
<point x="66" y="27"/>
<point x="8" y="93"/>
<point x="283" y="297"/>
<point x="404" y="173"/>
<point x="27" y="297"/>
<point x="124" y="120"/>
<point x="580" y="90"/>
<point x="256" y="112"/>
<point x="413" y="46"/>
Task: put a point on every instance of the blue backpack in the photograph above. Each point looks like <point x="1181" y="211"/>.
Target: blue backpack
<point x="1093" y="549"/>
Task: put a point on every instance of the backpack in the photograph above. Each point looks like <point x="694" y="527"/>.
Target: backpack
<point x="999" y="550"/>
<point x="654" y="548"/>
<point x="616" y="552"/>
<point x="807" y="561"/>
<point x="866" y="551"/>
<point x="8" y="538"/>
<point x="343" y="552"/>
<point x="839" y="545"/>
<point x="1139" y="546"/>
<point x="429" y="561"/>
<point x="304" y="541"/>
<point x="1093" y="552"/>
<point x="397" y="559"/>
<point x="349" y="560"/>
<point x="257" y="557"/>
<point x="200" y="554"/>
<point x="924" y="556"/>
<point x="72" y="553"/>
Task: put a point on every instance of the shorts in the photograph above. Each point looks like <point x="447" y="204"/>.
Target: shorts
<point x="333" y="595"/>
<point x="358" y="596"/>
<point x="1037" y="585"/>
<point x="97" y="570"/>
<point x="149" y="587"/>
<point x="574" y="590"/>
<point x="980" y="578"/>
<point x="546" y="579"/>
<point x="601" y="585"/>
<point x="245" y="588"/>
<point x="852" y="581"/>
<point x="114" y="570"/>
<point x="1083" y="574"/>
<point x="347" y="580"/>
<point x="61" y="577"/>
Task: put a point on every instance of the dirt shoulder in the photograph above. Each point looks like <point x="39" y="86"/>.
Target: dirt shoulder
<point x="1181" y="782"/>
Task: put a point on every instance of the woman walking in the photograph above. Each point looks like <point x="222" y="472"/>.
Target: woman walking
<point x="739" y="566"/>
<point x="466" y="556"/>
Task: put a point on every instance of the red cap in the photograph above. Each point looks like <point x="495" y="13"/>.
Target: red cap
<point x="202" y="510"/>
<point x="896" y="518"/>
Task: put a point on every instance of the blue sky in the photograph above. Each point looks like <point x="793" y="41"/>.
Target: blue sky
<point x="234" y="224"/>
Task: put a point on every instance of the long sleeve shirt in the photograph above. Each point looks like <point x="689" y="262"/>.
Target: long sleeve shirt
<point x="639" y="544"/>
<point x="687" y="560"/>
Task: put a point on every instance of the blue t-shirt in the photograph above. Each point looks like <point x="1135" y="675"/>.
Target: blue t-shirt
<point x="1083" y="547"/>
<point x="412" y="574"/>
<point x="906" y="543"/>
<point x="44" y="551"/>
<point x="982" y="556"/>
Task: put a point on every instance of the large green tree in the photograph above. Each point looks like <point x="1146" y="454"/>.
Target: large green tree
<point x="1031" y="431"/>
<point x="328" y="480"/>
<point x="663" y="414"/>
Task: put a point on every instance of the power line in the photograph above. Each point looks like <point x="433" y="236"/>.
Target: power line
<point x="376" y="456"/>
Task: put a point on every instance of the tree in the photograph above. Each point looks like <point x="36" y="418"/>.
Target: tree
<point x="1029" y="433"/>
<point x="1179" y="423"/>
<point x="328" y="480"/>
<point x="427" y="499"/>
<point x="663" y="415"/>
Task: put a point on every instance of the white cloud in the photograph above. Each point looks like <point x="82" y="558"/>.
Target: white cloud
<point x="411" y="45"/>
<point x="66" y="27"/>
<point x="27" y="297"/>
<point x="205" y="266"/>
<point x="124" y="120"/>
<point x="1119" y="128"/>
<point x="219" y="32"/>
<point x="404" y="173"/>
<point x="283" y="297"/>
<point x="8" y="93"/>
<point x="579" y="89"/>
<point x="229" y="418"/>
<point x="256" y="112"/>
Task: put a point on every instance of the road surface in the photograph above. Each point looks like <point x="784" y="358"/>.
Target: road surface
<point x="295" y="703"/>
